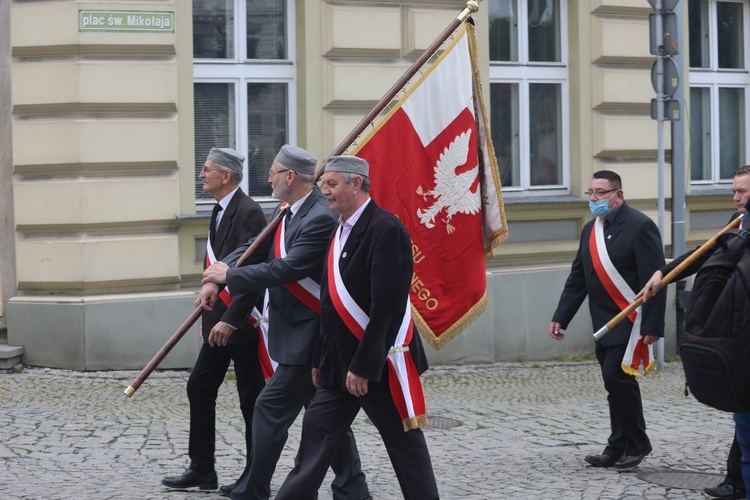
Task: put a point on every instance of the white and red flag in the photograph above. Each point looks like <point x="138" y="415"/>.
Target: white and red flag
<point x="432" y="164"/>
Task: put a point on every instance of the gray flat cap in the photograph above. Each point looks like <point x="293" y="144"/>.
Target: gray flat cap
<point x="348" y="164"/>
<point x="297" y="159"/>
<point x="226" y="157"/>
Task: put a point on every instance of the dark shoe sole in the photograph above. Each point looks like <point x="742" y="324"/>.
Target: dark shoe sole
<point x="596" y="463"/>
<point x="630" y="465"/>
<point x="197" y="487"/>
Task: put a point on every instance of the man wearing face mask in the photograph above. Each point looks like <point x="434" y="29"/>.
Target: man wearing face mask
<point x="618" y="252"/>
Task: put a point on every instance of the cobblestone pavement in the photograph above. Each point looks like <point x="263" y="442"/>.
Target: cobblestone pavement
<point x="524" y="430"/>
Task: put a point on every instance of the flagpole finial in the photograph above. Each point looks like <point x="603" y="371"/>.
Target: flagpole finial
<point x="472" y="6"/>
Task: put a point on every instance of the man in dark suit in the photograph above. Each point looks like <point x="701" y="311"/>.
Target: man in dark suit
<point x="236" y="218"/>
<point x="619" y="251"/>
<point x="290" y="265"/>
<point x="733" y="485"/>
<point x="372" y="252"/>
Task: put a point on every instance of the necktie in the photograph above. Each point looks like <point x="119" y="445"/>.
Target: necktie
<point x="212" y="225"/>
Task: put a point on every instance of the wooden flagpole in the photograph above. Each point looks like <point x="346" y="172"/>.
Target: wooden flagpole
<point x="666" y="279"/>
<point x="471" y="7"/>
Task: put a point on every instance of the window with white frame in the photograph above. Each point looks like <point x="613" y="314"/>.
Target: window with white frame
<point x="719" y="83"/>
<point x="244" y="84"/>
<point x="529" y="92"/>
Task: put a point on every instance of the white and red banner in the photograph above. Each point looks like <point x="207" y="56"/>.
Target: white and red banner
<point x="256" y="319"/>
<point x="403" y="377"/>
<point x="617" y="288"/>
<point x="433" y="165"/>
<point x="306" y="290"/>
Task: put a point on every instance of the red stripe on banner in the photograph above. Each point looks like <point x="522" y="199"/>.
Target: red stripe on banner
<point x="265" y="360"/>
<point x="609" y="286"/>
<point x="396" y="394"/>
<point x="304" y="296"/>
<point x="640" y="353"/>
<point x="348" y="319"/>
<point x="263" y="357"/>
<point x="224" y="296"/>
<point x="295" y="288"/>
<point x="415" y="387"/>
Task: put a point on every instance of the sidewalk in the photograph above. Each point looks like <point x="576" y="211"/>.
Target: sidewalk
<point x="523" y="431"/>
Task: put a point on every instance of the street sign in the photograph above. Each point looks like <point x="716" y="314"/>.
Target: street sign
<point x="671" y="110"/>
<point x="664" y="43"/>
<point x="671" y="77"/>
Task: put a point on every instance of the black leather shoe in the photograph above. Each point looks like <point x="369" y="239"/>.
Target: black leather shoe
<point x="724" y="490"/>
<point x="629" y="461"/>
<point x="191" y="480"/>
<point x="602" y="460"/>
<point x="226" y="489"/>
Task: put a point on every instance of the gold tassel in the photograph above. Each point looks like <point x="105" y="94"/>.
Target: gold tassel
<point x="411" y="423"/>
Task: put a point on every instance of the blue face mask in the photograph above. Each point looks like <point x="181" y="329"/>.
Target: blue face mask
<point x="600" y="208"/>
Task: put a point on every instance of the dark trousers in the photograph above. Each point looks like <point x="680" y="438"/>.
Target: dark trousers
<point x="202" y="388"/>
<point x="329" y="415"/>
<point x="742" y="433"/>
<point x="628" y="435"/>
<point x="276" y="409"/>
<point x="734" y="466"/>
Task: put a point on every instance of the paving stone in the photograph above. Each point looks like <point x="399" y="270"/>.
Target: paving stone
<point x="523" y="431"/>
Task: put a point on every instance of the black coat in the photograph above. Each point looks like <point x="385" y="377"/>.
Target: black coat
<point x="242" y="219"/>
<point x="377" y="271"/>
<point x="635" y="249"/>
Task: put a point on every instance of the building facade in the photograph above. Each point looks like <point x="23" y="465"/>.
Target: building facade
<point x="109" y="108"/>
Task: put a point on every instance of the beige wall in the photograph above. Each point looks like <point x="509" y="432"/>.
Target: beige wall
<point x="102" y="159"/>
<point x="99" y="149"/>
<point x="7" y="226"/>
<point x="103" y="185"/>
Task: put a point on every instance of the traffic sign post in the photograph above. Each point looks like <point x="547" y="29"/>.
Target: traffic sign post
<point x="665" y="78"/>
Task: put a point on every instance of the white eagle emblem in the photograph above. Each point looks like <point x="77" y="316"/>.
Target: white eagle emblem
<point x="452" y="191"/>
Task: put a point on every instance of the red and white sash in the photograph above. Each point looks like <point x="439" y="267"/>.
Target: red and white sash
<point x="617" y="288"/>
<point x="256" y="319"/>
<point x="267" y="365"/>
<point x="403" y="378"/>
<point x="306" y="290"/>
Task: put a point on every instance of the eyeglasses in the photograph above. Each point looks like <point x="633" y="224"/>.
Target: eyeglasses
<point x="272" y="172"/>
<point x="598" y="194"/>
<point x="205" y="170"/>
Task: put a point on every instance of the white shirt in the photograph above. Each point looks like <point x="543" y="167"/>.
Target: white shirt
<point x="348" y="225"/>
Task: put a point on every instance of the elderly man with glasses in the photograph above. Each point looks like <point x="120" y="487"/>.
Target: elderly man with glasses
<point x="619" y="251"/>
<point x="235" y="218"/>
<point x="290" y="265"/>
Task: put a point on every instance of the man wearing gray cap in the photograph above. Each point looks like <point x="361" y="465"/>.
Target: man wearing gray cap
<point x="235" y="218"/>
<point x="364" y="327"/>
<point x="290" y="266"/>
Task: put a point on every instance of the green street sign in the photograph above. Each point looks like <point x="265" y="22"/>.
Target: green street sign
<point x="125" y="20"/>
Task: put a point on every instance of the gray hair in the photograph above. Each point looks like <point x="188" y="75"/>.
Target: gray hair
<point x="349" y="177"/>
<point x="306" y="178"/>
<point x="236" y="174"/>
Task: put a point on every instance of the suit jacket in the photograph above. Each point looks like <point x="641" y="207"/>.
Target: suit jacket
<point x="293" y="327"/>
<point x="242" y="219"/>
<point x="377" y="271"/>
<point x="635" y="249"/>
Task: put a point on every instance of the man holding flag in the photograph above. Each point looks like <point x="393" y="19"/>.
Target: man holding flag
<point x="368" y="354"/>
<point x="619" y="251"/>
<point x="289" y="265"/>
<point x="235" y="218"/>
